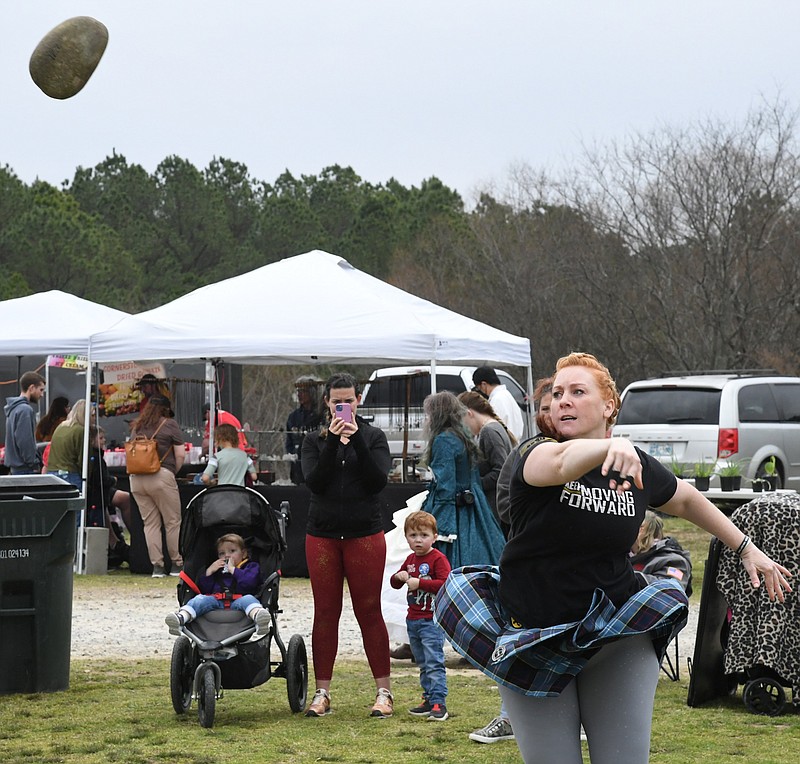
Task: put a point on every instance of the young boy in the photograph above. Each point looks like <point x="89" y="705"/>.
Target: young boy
<point x="231" y="572"/>
<point x="230" y="462"/>
<point x="424" y="572"/>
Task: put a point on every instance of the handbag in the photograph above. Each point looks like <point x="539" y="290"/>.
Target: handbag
<point x="141" y="454"/>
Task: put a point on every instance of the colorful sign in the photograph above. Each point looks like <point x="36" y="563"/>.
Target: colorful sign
<point x="76" y="362"/>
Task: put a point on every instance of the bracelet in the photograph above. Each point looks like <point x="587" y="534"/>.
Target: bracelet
<point x="743" y="545"/>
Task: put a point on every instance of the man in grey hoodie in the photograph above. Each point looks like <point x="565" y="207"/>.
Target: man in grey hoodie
<point x="21" y="456"/>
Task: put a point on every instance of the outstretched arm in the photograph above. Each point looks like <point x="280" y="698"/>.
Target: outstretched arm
<point x="691" y="505"/>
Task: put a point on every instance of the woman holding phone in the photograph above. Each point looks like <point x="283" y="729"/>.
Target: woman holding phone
<point x="345" y="465"/>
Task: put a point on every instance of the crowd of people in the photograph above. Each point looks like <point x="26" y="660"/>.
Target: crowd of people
<point x="540" y="560"/>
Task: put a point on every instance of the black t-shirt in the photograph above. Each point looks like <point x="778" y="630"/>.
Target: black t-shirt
<point x="568" y="540"/>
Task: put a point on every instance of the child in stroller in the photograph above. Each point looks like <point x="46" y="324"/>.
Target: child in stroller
<point x="223" y="647"/>
<point x="230" y="581"/>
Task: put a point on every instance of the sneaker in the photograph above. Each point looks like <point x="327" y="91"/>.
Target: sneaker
<point x="176" y="569"/>
<point x="320" y="703"/>
<point x="438" y="713"/>
<point x="384" y="704"/>
<point x="158" y="571"/>
<point x="263" y="622"/>
<point x="423" y="709"/>
<point x="496" y="730"/>
<point x="175" y="621"/>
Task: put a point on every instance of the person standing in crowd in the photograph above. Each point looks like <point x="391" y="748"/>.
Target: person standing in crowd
<point x="346" y="465"/>
<point x="222" y="417"/>
<point x="305" y="418"/>
<point x="494" y="444"/>
<point x="230" y="464"/>
<point x="21" y="454"/>
<point x="102" y="495"/>
<point x="488" y="384"/>
<point x="157" y="494"/>
<point x="581" y="634"/>
<point x="56" y="414"/>
<point x="542" y="399"/>
<point x="468" y="531"/>
<point x="65" y="458"/>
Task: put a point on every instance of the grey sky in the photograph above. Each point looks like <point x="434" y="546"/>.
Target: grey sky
<point x="453" y="88"/>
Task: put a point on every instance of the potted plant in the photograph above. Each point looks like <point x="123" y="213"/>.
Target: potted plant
<point x="771" y="473"/>
<point x="730" y="476"/>
<point x="702" y="475"/>
<point x="676" y="468"/>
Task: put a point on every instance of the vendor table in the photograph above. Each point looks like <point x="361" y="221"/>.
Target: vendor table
<point x="729" y="501"/>
<point x="393" y="497"/>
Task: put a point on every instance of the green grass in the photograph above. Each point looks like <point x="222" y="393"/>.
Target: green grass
<point x="120" y="711"/>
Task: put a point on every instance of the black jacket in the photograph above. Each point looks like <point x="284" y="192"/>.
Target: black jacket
<point x="345" y="481"/>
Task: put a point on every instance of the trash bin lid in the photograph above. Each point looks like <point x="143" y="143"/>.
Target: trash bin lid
<point x="15" y="487"/>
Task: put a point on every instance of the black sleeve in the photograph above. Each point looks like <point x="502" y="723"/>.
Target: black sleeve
<point x="374" y="459"/>
<point x="659" y="482"/>
<point x="318" y="464"/>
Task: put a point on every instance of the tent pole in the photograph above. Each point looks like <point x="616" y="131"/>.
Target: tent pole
<point x="90" y="416"/>
<point x="529" y="412"/>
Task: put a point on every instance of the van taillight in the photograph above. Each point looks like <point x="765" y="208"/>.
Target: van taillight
<point x="728" y="443"/>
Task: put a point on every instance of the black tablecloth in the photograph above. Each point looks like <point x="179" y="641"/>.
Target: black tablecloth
<point x="392" y="498"/>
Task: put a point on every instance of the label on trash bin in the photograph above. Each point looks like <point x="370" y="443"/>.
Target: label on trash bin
<point x="14" y="554"/>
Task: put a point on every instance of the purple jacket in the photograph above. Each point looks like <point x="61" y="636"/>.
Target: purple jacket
<point x="244" y="580"/>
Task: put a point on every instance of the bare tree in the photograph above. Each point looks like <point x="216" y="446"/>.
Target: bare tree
<point x="708" y="215"/>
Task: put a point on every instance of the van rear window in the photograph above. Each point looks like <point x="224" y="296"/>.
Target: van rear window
<point x="664" y="405"/>
<point x="390" y="392"/>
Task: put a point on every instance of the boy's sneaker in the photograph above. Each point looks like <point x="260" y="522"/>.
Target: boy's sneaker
<point x="438" y="713"/>
<point x="320" y="704"/>
<point x="496" y="730"/>
<point x="176" y="569"/>
<point x="174" y="621"/>
<point x="158" y="571"/>
<point x="423" y="709"/>
<point x="263" y="622"/>
<point x="384" y="704"/>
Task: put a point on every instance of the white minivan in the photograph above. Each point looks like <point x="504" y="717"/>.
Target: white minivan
<point x="717" y="418"/>
<point x="390" y="391"/>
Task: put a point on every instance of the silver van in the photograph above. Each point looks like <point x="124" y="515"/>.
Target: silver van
<point x="389" y="391"/>
<point x="717" y="418"/>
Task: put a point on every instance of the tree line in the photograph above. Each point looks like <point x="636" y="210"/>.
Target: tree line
<point x="671" y="251"/>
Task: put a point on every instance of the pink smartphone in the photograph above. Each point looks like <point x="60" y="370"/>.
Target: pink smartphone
<point x="344" y="411"/>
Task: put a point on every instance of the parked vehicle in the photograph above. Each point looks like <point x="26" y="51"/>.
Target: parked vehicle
<point x="390" y="390"/>
<point x="717" y="418"/>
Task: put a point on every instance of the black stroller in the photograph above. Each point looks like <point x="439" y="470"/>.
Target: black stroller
<point x="220" y="649"/>
<point x="743" y="638"/>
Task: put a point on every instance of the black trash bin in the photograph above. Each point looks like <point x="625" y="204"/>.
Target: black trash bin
<point x="38" y="518"/>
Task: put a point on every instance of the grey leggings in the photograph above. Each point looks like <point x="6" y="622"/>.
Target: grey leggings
<point x="613" y="698"/>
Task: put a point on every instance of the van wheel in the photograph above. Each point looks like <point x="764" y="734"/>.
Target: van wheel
<point x="761" y="473"/>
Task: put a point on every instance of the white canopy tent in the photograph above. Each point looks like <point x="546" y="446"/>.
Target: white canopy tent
<point x="51" y="323"/>
<point x="314" y="308"/>
<point x="54" y="323"/>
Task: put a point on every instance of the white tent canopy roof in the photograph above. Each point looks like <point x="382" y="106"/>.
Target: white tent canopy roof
<point x="309" y="309"/>
<point x="52" y="322"/>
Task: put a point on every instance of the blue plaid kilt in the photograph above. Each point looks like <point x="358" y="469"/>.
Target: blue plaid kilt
<point x="541" y="662"/>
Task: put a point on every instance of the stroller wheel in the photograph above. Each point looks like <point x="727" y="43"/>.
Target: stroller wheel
<point x="764" y="696"/>
<point x="206" y="696"/>
<point x="296" y="673"/>
<point x="181" y="675"/>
